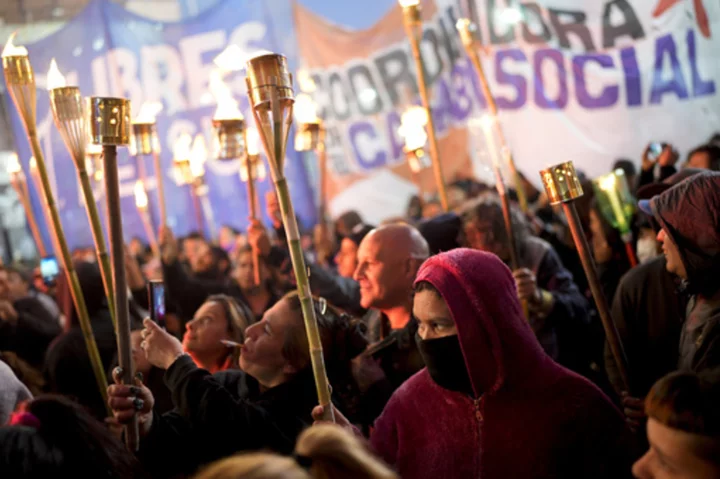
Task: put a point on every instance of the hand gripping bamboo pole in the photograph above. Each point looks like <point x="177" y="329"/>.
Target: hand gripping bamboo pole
<point x="20" y="81"/>
<point x="271" y="96"/>
<point x="110" y="127"/>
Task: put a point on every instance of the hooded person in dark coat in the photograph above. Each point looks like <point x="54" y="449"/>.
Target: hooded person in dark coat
<point x="491" y="403"/>
<point x="689" y="215"/>
<point x="648" y="311"/>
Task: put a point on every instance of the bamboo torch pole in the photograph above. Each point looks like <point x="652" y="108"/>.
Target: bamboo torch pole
<point x="487" y="126"/>
<point x="251" y="170"/>
<point x="562" y="186"/>
<point x="271" y="97"/>
<point x="20" y="81"/>
<point x="412" y="19"/>
<point x="110" y="126"/>
<point x="141" y="203"/>
<point x="467" y="31"/>
<point x="19" y="184"/>
<point x="71" y="122"/>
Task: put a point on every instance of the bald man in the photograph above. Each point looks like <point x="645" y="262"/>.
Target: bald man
<point x="388" y="260"/>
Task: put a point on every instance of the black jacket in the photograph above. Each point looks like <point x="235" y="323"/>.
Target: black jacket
<point x="648" y="313"/>
<point x="218" y="415"/>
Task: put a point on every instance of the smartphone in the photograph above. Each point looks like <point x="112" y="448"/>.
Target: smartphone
<point x="49" y="270"/>
<point x="655" y="150"/>
<point x="156" y="299"/>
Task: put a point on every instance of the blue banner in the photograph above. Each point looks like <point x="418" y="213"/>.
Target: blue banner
<point x="109" y="51"/>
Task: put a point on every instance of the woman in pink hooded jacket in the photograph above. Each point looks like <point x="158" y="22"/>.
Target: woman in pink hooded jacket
<point x="490" y="402"/>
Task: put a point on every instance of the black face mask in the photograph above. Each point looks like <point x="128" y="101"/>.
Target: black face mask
<point x="445" y="363"/>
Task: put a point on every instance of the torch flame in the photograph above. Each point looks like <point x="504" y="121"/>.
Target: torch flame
<point x="305" y="81"/>
<point x="462" y="24"/>
<point x="148" y="112"/>
<point x="55" y="79"/>
<point x="93" y="150"/>
<point x="412" y="126"/>
<point x="13" y="164"/>
<point x="415" y="138"/>
<point x="408" y="3"/>
<point x="11" y="50"/>
<point x="253" y="141"/>
<point x="305" y="109"/>
<point x="607" y="182"/>
<point x="228" y="108"/>
<point x="141" y="199"/>
<point x="198" y="154"/>
<point x="230" y="59"/>
<point x="181" y="148"/>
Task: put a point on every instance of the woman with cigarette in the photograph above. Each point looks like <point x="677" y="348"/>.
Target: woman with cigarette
<point x="263" y="406"/>
<point x="212" y="337"/>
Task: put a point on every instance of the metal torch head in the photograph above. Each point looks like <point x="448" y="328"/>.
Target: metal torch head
<point x="412" y="12"/>
<point x="68" y="110"/>
<point x="468" y="32"/>
<point x="230" y="138"/>
<point x="18" y="70"/>
<point x="561" y="183"/>
<point x="110" y="121"/>
<point x="144" y="139"/>
<point x="265" y="73"/>
<point x="308" y="136"/>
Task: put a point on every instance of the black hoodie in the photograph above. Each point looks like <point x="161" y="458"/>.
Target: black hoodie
<point x="690" y="214"/>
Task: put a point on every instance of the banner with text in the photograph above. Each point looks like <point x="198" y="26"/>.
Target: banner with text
<point x="109" y="51"/>
<point x="588" y="81"/>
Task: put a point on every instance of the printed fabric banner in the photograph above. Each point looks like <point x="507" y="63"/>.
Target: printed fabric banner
<point x="109" y="51"/>
<point x="588" y="81"/>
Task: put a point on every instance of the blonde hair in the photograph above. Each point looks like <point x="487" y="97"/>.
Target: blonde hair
<point x="254" y="466"/>
<point x="335" y="452"/>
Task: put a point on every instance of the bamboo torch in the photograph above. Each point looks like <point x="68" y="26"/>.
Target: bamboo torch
<point x="19" y="184"/>
<point x="562" y="186"/>
<point x="616" y="206"/>
<point x="271" y="96"/>
<point x="141" y="203"/>
<point x="110" y="127"/>
<point x="145" y="141"/>
<point x="252" y="169"/>
<point x="20" y="81"/>
<point x="468" y="36"/>
<point x="182" y="167"/>
<point x="412" y="19"/>
<point x="412" y="129"/>
<point x="37" y="183"/>
<point x="488" y="128"/>
<point x="69" y="114"/>
<point x="198" y="155"/>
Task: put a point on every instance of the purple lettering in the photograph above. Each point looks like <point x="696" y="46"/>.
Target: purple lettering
<point x="609" y="94"/>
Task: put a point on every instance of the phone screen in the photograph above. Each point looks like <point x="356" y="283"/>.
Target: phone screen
<point x="49" y="270"/>
<point x="156" y="296"/>
<point x="655" y="149"/>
